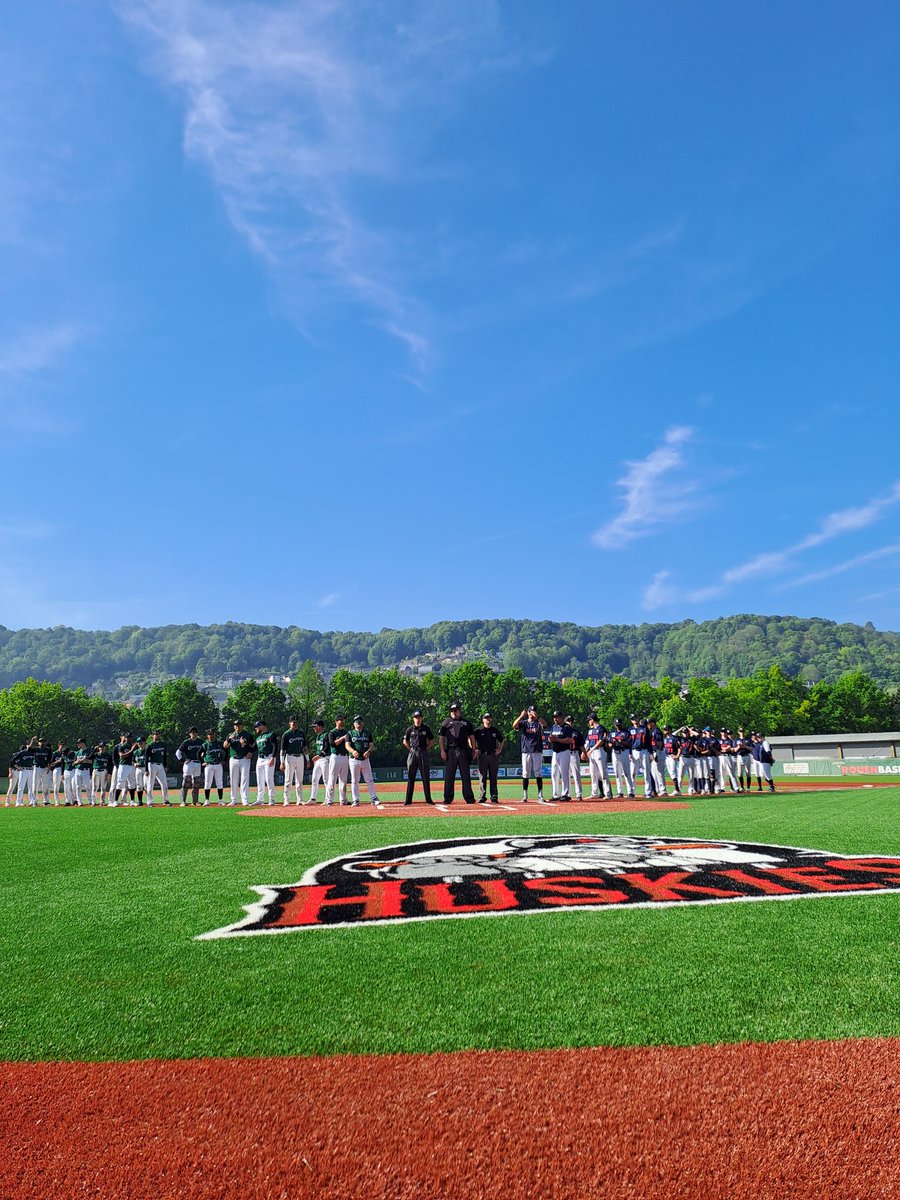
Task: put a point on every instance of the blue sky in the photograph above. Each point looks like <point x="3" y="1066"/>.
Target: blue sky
<point x="369" y="314"/>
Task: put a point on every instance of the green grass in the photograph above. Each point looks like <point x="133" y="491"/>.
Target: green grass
<point x="100" y="911"/>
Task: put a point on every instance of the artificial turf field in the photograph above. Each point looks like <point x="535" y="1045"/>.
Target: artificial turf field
<point x="102" y="909"/>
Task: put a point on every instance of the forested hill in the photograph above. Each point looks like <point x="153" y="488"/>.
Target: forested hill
<point x="724" y="648"/>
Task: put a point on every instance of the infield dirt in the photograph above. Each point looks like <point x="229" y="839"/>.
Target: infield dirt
<point x="786" y="1120"/>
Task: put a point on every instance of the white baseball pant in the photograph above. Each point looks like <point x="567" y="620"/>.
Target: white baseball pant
<point x="57" y="786"/>
<point x="25" y="783"/>
<point x="726" y="768"/>
<point x="99" y="781"/>
<point x="265" y="779"/>
<point x="533" y="765"/>
<point x="294" y="766"/>
<point x="156" y="773"/>
<point x="559" y="773"/>
<point x="81" y="782"/>
<point x="239" y="780"/>
<point x="622" y="771"/>
<point x="575" y="772"/>
<point x="338" y="773"/>
<point x="640" y="765"/>
<point x="13" y="785"/>
<point x="319" y="776"/>
<point x="361" y="769"/>
<point x="598" y="761"/>
<point x="212" y="776"/>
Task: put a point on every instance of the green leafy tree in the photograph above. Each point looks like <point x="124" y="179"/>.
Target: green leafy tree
<point x="173" y="707"/>
<point x="307" y="695"/>
<point x="251" y="701"/>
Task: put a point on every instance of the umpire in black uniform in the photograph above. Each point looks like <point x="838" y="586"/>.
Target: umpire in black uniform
<point x="457" y="747"/>
<point x="490" y="743"/>
<point x="418" y="740"/>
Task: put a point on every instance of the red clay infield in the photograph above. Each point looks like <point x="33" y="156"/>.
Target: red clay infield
<point x="458" y="809"/>
<point x="788" y="1121"/>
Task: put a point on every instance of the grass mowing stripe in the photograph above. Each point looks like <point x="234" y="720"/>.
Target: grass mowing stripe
<point x="101" y="908"/>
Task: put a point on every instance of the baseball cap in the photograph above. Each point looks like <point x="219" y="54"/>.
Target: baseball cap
<point x="651" y="720"/>
<point x="454" y="705"/>
<point x="706" y="729"/>
<point x="357" y="718"/>
<point x="417" y="712"/>
<point x="667" y="728"/>
<point x="568" y="717"/>
<point x="256" y="724"/>
<point x="488" y="715"/>
<point x="557" y="713"/>
<point x="293" y="717"/>
<point x="319" y="721"/>
<point x="532" y="707"/>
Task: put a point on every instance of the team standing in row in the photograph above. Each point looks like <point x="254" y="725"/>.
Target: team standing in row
<point x="694" y="760"/>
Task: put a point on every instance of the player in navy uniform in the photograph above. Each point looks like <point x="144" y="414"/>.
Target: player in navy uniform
<point x="560" y="735"/>
<point x="640" y="755"/>
<point x="489" y="744"/>
<point x="597" y="749"/>
<point x="457" y="742"/>
<point x="530" y="728"/>
<point x="576" y="757"/>
<point x="417" y="741"/>
<point x="657" y="756"/>
<point x="744" y="751"/>
<point x="672" y="751"/>
<point x="620" y="745"/>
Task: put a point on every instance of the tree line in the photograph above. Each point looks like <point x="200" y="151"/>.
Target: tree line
<point x="769" y="700"/>
<point x="729" y="647"/>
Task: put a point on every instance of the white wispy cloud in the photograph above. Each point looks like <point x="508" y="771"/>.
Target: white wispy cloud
<point x="296" y="109"/>
<point x="846" y="520"/>
<point x="329" y="599"/>
<point x="643" y="511"/>
<point x="850" y="564"/>
<point x="662" y="592"/>
<point x="28" y="359"/>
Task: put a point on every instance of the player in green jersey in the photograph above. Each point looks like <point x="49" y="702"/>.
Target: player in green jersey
<point x="213" y="757"/>
<point x="359" y="747"/>
<point x="266" y="757"/>
<point x="320" y="761"/>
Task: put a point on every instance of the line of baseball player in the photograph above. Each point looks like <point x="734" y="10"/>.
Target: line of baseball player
<point x="696" y="761"/>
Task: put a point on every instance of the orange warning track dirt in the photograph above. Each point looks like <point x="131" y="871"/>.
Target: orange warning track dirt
<point x="798" y="1120"/>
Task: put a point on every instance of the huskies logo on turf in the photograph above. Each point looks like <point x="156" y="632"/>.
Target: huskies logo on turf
<point x="488" y="876"/>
